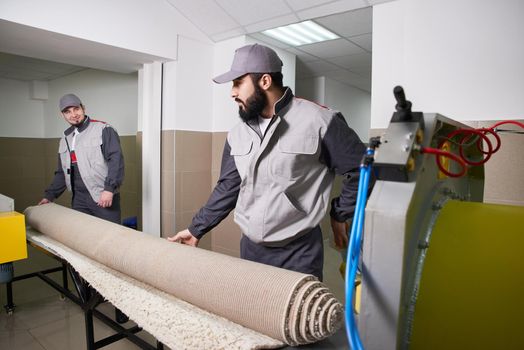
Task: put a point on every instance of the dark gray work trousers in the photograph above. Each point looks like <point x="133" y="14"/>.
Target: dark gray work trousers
<point x="83" y="202"/>
<point x="305" y="254"/>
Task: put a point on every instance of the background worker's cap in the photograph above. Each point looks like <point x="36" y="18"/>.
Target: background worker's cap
<point x="69" y="100"/>
<point x="251" y="59"/>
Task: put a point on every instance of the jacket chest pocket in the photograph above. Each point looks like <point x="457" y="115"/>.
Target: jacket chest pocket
<point x="295" y="155"/>
<point x="242" y="154"/>
<point x="63" y="153"/>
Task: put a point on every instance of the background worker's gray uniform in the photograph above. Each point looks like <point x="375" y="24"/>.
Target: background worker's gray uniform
<point x="99" y="166"/>
<point x="279" y="183"/>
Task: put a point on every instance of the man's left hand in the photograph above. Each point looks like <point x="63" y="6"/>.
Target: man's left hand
<point x="106" y="199"/>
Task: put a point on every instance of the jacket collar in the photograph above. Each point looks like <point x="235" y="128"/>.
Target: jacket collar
<point x="283" y="102"/>
<point x="81" y="128"/>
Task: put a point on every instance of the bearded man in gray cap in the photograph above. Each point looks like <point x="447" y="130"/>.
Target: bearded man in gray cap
<point x="278" y="168"/>
<point x="90" y="163"/>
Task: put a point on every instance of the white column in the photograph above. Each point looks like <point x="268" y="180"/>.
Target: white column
<point x="150" y="122"/>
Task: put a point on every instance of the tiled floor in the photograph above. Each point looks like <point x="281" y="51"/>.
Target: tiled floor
<point x="54" y="324"/>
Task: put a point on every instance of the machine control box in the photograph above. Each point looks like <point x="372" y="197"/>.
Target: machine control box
<point x="12" y="237"/>
<point x="395" y="158"/>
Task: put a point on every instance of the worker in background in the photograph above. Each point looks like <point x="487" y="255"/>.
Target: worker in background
<point x="90" y="165"/>
<point x="278" y="167"/>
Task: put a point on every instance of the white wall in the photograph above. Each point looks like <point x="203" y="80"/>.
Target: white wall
<point x="462" y="59"/>
<point x="355" y="105"/>
<point x="111" y="97"/>
<point x="188" y="87"/>
<point x="148" y="26"/>
<point x="20" y="116"/>
<point x="107" y="96"/>
<point x="313" y="89"/>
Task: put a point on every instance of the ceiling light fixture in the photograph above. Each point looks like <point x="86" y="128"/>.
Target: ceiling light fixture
<point x="303" y="33"/>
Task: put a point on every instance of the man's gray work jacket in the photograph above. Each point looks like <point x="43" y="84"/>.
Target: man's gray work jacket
<point x="279" y="183"/>
<point x="99" y="160"/>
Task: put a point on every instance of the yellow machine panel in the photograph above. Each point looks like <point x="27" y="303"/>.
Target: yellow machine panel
<point x="471" y="292"/>
<point x="12" y="237"/>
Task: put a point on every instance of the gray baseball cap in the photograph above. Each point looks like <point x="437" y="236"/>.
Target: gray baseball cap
<point x="69" y="100"/>
<point x="251" y="59"/>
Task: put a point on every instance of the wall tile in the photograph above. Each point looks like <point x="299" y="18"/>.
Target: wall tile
<point x="196" y="188"/>
<point x="33" y="167"/>
<point x="168" y="150"/>
<point x="504" y="171"/>
<point x="178" y="191"/>
<point x="128" y="144"/>
<point x="193" y="151"/>
<point x="218" y="141"/>
<point x="51" y="146"/>
<point x="168" y="224"/>
<point x="179" y="223"/>
<point x="227" y="236"/>
<point x="168" y="191"/>
<point x="130" y="177"/>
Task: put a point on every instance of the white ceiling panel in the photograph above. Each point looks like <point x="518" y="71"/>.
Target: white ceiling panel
<point x="249" y="12"/>
<point x="301" y="55"/>
<point x="331" y="8"/>
<point x="272" y="23"/>
<point x="313" y="68"/>
<point x="332" y="48"/>
<point x="221" y="20"/>
<point x="375" y="2"/>
<point x="297" y="5"/>
<point x="355" y="63"/>
<point x="227" y="35"/>
<point x="27" y="68"/>
<point x="349" y="78"/>
<point x="350" y="23"/>
<point x="206" y="15"/>
<point x="364" y="41"/>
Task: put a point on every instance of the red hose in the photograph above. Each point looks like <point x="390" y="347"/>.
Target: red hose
<point x="440" y="153"/>
<point x="468" y="135"/>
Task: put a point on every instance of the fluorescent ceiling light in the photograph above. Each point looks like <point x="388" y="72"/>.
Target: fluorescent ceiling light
<point x="307" y="32"/>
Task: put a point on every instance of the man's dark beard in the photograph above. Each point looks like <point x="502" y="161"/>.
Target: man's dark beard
<point x="255" y="104"/>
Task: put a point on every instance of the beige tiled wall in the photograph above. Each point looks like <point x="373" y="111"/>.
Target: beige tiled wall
<point x="504" y="171"/>
<point x="192" y="177"/>
<point x="22" y="174"/>
<point x="186" y="186"/>
<point x="167" y="192"/>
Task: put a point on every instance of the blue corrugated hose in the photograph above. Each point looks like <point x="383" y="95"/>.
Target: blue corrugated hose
<point x="355" y="241"/>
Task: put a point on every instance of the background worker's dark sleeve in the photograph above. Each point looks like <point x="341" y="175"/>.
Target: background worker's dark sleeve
<point x="115" y="159"/>
<point x="342" y="151"/>
<point x="58" y="185"/>
<point x="223" y="199"/>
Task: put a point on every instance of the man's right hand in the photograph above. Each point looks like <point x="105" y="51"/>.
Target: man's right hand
<point x="184" y="237"/>
<point x="44" y="201"/>
<point x="340" y="232"/>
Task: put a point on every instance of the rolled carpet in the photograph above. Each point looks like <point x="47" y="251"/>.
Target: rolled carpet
<point x="289" y="306"/>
